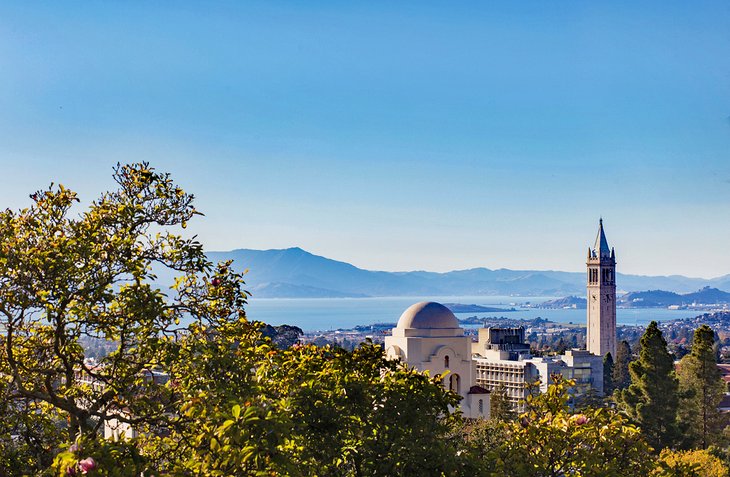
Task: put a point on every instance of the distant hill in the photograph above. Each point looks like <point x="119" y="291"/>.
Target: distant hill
<point x="296" y="273"/>
<point x="567" y="302"/>
<point x="461" y="308"/>
<point x="661" y="298"/>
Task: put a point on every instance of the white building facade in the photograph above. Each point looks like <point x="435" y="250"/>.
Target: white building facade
<point x="429" y="338"/>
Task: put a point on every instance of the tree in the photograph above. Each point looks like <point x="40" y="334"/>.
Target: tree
<point x="358" y="413"/>
<point x="608" y="384"/>
<point x="549" y="440"/>
<point x="208" y="392"/>
<point x="621" y="375"/>
<point x="500" y="408"/>
<point x="63" y="278"/>
<point x="480" y="442"/>
<point x="28" y="429"/>
<point x="561" y="346"/>
<point x="701" y="390"/>
<point x="304" y="411"/>
<point x="692" y="463"/>
<point x="283" y="336"/>
<point x="651" y="400"/>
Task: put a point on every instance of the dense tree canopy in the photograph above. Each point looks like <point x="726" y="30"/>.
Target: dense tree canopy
<point x="651" y="400"/>
<point x="621" y="377"/>
<point x="500" y="407"/>
<point x="551" y="440"/>
<point x="692" y="463"/>
<point x="65" y="277"/>
<point x="230" y="403"/>
<point x="608" y="383"/>
<point x="701" y="390"/>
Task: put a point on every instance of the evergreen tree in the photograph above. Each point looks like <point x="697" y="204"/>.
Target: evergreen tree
<point x="652" y="398"/>
<point x="608" y="385"/>
<point x="701" y="390"/>
<point x="561" y="346"/>
<point x="621" y="376"/>
<point x="500" y="408"/>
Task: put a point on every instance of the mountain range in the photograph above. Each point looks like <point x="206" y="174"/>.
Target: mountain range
<point x="296" y="273"/>
<point x="661" y="298"/>
<point x="650" y="299"/>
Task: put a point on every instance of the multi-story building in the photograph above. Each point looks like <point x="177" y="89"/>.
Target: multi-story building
<point x="428" y="337"/>
<point x="501" y="357"/>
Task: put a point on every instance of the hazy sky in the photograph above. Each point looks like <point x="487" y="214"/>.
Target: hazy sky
<point x="392" y="135"/>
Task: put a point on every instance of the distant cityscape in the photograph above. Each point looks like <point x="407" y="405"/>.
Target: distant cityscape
<point x="513" y="352"/>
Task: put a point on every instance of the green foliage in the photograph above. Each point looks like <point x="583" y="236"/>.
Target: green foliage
<point x="695" y="463"/>
<point x="608" y="384"/>
<point x="234" y="403"/>
<point x="500" y="408"/>
<point x="361" y="414"/>
<point x="29" y="433"/>
<point x="651" y="400"/>
<point x="701" y="390"/>
<point x="621" y="377"/>
<point x="222" y="419"/>
<point x="63" y="278"/>
<point x="98" y="458"/>
<point x="480" y="443"/>
<point x="550" y="440"/>
<point x="251" y="409"/>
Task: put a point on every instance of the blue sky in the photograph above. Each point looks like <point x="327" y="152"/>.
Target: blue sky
<point x="393" y="135"/>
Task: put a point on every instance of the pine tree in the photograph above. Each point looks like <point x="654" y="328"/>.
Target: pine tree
<point x="608" y="385"/>
<point x="500" y="408"/>
<point x="621" y="376"/>
<point x="701" y="390"/>
<point x="652" y="398"/>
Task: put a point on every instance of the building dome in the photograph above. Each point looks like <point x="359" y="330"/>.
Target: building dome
<point x="427" y="315"/>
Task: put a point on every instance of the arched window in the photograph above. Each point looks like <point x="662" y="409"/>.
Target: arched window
<point x="454" y="383"/>
<point x="446" y="361"/>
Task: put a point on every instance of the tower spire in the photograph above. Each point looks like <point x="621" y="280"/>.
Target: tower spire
<point x="600" y="247"/>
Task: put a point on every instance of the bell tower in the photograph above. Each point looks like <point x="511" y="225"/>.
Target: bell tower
<point x="601" y="334"/>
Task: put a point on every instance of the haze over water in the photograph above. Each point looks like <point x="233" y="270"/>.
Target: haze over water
<point x="312" y="314"/>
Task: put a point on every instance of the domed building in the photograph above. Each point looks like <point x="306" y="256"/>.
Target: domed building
<point x="428" y="337"/>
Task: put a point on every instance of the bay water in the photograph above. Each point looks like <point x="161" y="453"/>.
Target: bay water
<point x="312" y="314"/>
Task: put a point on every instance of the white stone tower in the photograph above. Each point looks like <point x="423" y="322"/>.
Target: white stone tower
<point x="601" y="334"/>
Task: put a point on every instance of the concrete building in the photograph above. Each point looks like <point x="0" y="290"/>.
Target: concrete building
<point x="601" y="264"/>
<point x="429" y="338"/>
<point x="501" y="357"/>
